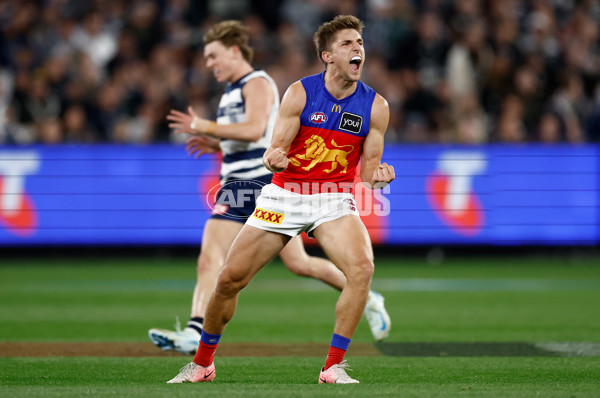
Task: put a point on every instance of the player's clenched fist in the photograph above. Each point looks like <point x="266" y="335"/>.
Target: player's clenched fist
<point x="383" y="175"/>
<point x="275" y="159"/>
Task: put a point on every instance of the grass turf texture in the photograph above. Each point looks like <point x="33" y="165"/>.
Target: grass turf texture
<point x="463" y="300"/>
<point x="296" y="377"/>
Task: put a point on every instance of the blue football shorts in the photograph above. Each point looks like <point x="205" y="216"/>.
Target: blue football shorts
<point x="236" y="199"/>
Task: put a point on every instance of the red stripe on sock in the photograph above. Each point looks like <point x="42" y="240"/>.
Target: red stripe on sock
<point x="205" y="354"/>
<point x="334" y="357"/>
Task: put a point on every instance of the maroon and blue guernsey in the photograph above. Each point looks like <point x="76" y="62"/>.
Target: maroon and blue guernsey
<point x="328" y="145"/>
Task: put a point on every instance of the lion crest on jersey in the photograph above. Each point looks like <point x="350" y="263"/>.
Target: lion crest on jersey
<point x="318" y="152"/>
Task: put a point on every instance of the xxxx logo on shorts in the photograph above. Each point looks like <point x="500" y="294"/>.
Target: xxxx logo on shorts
<point x="268" y="216"/>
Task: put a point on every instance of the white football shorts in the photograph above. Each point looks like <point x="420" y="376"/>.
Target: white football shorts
<point x="285" y="212"/>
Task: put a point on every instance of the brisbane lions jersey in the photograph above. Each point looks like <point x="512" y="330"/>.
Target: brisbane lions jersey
<point x="328" y="145"/>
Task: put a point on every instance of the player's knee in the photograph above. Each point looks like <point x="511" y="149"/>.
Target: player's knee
<point x="367" y="269"/>
<point x="209" y="263"/>
<point x="361" y="271"/>
<point x="230" y="283"/>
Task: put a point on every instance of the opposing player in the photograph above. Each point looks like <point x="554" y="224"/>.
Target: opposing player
<point x="327" y="123"/>
<point x="242" y="132"/>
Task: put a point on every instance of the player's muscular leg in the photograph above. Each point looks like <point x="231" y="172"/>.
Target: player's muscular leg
<point x="217" y="238"/>
<point x="346" y="242"/>
<point x="251" y="250"/>
<point x="300" y="263"/>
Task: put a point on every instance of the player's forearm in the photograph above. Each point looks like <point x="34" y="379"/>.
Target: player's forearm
<point x="285" y="132"/>
<point x="275" y="157"/>
<point x="379" y="177"/>
<point x="203" y="126"/>
<point x="366" y="174"/>
<point x="246" y="131"/>
<point x="367" y="171"/>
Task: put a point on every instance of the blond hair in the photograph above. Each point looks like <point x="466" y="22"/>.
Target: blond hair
<point x="326" y="33"/>
<point x="230" y="33"/>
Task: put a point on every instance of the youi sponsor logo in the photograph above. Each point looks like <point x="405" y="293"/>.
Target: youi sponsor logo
<point x="350" y="123"/>
<point x="18" y="214"/>
<point x="451" y="194"/>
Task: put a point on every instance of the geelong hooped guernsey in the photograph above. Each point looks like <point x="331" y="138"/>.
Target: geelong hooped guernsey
<point x="328" y="145"/>
<point x="243" y="159"/>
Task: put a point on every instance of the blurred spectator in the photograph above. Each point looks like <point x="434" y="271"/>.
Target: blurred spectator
<point x="593" y="123"/>
<point x="107" y="111"/>
<point x="421" y="109"/>
<point x="505" y="60"/>
<point x="510" y="127"/>
<point x="50" y="132"/>
<point x="391" y="29"/>
<point x="144" y="23"/>
<point x="468" y="66"/>
<point x="6" y="93"/>
<point x="550" y="129"/>
<point x="76" y="127"/>
<point x="540" y="32"/>
<point x="463" y="71"/>
<point x="529" y="90"/>
<point x="137" y="130"/>
<point x="94" y="39"/>
<point x="38" y="102"/>
<point x="429" y="51"/>
<point x="469" y="121"/>
<point x="571" y="105"/>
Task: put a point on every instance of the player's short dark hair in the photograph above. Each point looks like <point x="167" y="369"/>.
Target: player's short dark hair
<point x="324" y="36"/>
<point x="230" y="33"/>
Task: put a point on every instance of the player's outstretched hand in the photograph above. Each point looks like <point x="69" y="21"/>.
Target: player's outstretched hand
<point x="275" y="159"/>
<point x="383" y="175"/>
<point x="182" y="122"/>
<point x="201" y="144"/>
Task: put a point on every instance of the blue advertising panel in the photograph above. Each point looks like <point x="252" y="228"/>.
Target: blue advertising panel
<point x="103" y="195"/>
<point x="502" y="195"/>
<point x="120" y="195"/>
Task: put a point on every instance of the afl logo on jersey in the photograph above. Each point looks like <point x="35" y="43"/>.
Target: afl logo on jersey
<point x="318" y="117"/>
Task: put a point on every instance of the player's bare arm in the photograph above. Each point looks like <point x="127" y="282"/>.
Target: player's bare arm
<point x="286" y="127"/>
<point x="373" y="172"/>
<point x="259" y="98"/>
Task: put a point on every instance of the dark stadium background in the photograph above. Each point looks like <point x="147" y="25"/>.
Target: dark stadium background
<point x="514" y="86"/>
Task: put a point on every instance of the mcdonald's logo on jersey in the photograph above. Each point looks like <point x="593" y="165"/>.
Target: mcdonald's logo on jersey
<point x="336" y="108"/>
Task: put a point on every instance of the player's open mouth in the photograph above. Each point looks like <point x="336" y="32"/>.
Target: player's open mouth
<point x="355" y="63"/>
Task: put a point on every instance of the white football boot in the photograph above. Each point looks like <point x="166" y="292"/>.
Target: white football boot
<point x="185" y="341"/>
<point x="377" y="316"/>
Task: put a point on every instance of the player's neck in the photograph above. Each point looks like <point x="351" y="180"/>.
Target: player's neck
<point x="338" y="86"/>
<point x="240" y="72"/>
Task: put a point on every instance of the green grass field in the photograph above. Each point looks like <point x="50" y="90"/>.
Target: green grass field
<point x="455" y="307"/>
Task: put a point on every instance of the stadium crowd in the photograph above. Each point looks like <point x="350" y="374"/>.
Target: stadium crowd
<point x="453" y="71"/>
